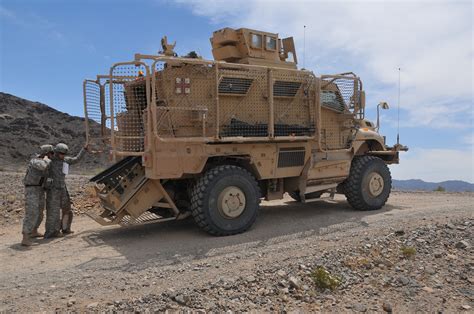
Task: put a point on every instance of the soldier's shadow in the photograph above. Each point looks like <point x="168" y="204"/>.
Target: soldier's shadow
<point x="20" y="248"/>
<point x="35" y="243"/>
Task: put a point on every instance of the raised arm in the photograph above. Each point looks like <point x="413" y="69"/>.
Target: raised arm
<point x="73" y="160"/>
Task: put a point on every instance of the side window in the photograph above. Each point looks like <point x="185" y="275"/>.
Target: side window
<point x="270" y="43"/>
<point x="333" y="100"/>
<point x="256" y="41"/>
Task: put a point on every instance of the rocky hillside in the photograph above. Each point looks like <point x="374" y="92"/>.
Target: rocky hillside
<point x="25" y="125"/>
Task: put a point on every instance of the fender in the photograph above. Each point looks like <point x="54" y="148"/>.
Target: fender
<point x="367" y="140"/>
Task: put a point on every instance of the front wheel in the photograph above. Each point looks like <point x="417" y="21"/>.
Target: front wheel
<point x="225" y="200"/>
<point x="369" y="183"/>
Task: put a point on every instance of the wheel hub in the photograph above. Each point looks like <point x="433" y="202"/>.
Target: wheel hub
<point x="231" y="202"/>
<point x="376" y="184"/>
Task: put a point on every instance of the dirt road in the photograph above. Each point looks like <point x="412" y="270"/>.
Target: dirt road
<point x="270" y="267"/>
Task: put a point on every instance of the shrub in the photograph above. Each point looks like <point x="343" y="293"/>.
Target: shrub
<point x="408" y="251"/>
<point x="324" y="280"/>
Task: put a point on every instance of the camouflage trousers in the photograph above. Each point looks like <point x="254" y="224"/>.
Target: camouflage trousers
<point x="66" y="212"/>
<point x="58" y="211"/>
<point x="41" y="211"/>
<point x="41" y="214"/>
<point x="34" y="205"/>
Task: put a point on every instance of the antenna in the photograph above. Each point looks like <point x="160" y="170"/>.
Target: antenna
<point x="398" y="110"/>
<point x="304" y="46"/>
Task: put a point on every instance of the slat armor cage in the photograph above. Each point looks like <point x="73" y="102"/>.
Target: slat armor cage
<point x="197" y="100"/>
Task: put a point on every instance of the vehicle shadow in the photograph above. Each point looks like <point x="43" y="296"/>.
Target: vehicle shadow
<point x="180" y="241"/>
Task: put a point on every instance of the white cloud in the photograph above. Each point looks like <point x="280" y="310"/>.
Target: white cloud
<point x="469" y="139"/>
<point x="217" y="10"/>
<point x="441" y="114"/>
<point x="435" y="165"/>
<point x="430" y="41"/>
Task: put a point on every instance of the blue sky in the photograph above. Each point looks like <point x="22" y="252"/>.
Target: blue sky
<point x="48" y="47"/>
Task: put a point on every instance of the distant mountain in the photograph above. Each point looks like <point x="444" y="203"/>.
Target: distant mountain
<point x="420" y="185"/>
<point x="26" y="125"/>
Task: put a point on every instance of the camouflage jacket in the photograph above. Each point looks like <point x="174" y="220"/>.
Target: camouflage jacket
<point x="56" y="169"/>
<point x="36" y="171"/>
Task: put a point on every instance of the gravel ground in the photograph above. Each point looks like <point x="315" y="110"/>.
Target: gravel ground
<point x="416" y="254"/>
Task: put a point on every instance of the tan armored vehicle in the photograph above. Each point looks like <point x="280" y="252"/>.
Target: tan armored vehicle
<point x="210" y="139"/>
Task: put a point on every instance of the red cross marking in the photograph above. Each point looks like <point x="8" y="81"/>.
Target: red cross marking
<point x="183" y="85"/>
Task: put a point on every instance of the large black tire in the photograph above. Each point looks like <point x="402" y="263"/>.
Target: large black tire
<point x="369" y="183"/>
<point x="213" y="189"/>
<point x="296" y="195"/>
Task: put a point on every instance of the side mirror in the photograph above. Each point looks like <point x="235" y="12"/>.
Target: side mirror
<point x="384" y="105"/>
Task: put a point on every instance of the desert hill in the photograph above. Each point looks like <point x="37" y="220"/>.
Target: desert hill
<point x="26" y="125"/>
<point x="420" y="185"/>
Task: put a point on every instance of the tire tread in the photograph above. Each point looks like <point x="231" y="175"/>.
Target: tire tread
<point x="353" y="184"/>
<point x="198" y="194"/>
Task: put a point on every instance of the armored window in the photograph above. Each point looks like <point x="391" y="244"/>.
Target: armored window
<point x="270" y="43"/>
<point x="256" y="41"/>
<point x="332" y="100"/>
<point x="285" y="89"/>
<point x="234" y="85"/>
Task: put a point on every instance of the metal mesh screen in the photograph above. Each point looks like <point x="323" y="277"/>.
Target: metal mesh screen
<point x="185" y="96"/>
<point x="128" y="95"/>
<point x="96" y="115"/>
<point x="338" y="92"/>
<point x="243" y="111"/>
<point x="291" y="157"/>
<point x="146" y="217"/>
<point x="234" y="85"/>
<point x="338" y="96"/>
<point x="107" y="107"/>
<point x="333" y="100"/>
<point x="286" y="88"/>
<point x="293" y="101"/>
<point x="185" y="100"/>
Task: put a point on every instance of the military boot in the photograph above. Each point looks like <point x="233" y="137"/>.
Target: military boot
<point x="57" y="234"/>
<point x="36" y="234"/>
<point x="26" y="240"/>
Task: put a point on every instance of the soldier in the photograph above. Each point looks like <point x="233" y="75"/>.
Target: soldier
<point x="34" y="192"/>
<point x="49" y="150"/>
<point x="57" y="198"/>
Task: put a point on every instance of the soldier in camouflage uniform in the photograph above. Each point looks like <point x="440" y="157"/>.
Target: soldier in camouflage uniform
<point x="57" y="197"/>
<point x="49" y="151"/>
<point x="34" y="192"/>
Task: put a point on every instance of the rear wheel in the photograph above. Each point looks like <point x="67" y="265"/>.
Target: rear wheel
<point x="225" y="200"/>
<point x="369" y="183"/>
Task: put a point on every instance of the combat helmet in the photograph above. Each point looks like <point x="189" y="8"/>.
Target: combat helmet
<point x="61" y="148"/>
<point x="46" y="149"/>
